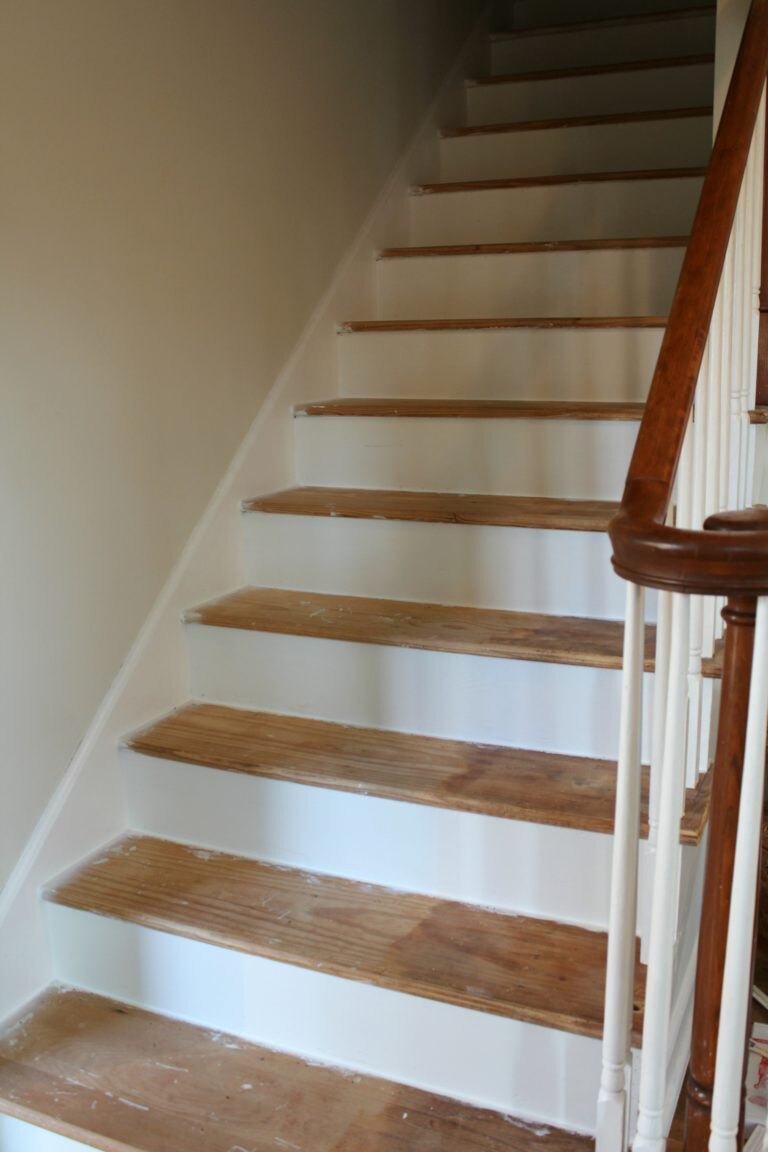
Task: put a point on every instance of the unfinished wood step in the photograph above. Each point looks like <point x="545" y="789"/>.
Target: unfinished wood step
<point x="486" y="961"/>
<point x="668" y="82"/>
<point x="439" y="508"/>
<point x="496" y="324"/>
<point x="626" y="20"/>
<point x="660" y="203"/>
<point x="596" y="120"/>
<point x="508" y="146"/>
<point x="437" y="627"/>
<point x="608" y="41"/>
<point x="574" y="73"/>
<point x="601" y="279"/>
<point x="481" y="551"/>
<point x="475" y="409"/>
<point x="508" y="783"/>
<point x="538" y="246"/>
<point x="114" y="1076"/>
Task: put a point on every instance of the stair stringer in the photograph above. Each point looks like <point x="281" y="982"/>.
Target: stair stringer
<point x="87" y="809"/>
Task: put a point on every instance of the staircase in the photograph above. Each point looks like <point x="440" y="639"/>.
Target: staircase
<point x="368" y="866"/>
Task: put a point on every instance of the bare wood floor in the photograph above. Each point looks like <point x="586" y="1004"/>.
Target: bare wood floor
<point x="122" y="1079"/>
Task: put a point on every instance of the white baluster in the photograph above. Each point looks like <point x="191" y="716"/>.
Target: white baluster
<point x="620" y="972"/>
<point x="737" y="359"/>
<point x="658" y="725"/>
<point x="711" y="493"/>
<point x="658" y="997"/>
<point x="737" y="984"/>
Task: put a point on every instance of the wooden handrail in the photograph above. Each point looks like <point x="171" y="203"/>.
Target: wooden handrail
<point x="734" y="559"/>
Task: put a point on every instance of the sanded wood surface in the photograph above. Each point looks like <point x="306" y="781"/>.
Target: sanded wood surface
<point x="593" y="70"/>
<point x="512" y="183"/>
<point x="117" y="1078"/>
<point x="591" y="121"/>
<point x="486" y="324"/>
<point x="532" y="247"/>
<point x="510" y="783"/>
<point x="534" y="970"/>
<point x="436" y="627"/>
<point x="439" y="508"/>
<point x="476" y="409"/>
<point x="606" y="22"/>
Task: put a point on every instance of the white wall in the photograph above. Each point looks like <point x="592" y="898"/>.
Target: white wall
<point x="180" y="178"/>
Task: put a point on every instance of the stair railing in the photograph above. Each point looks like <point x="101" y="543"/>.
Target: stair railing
<point x="684" y="528"/>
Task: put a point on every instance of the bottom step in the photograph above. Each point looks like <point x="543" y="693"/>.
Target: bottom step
<point x="112" y="1076"/>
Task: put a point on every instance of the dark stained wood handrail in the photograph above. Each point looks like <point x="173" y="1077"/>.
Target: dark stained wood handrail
<point x="734" y="559"/>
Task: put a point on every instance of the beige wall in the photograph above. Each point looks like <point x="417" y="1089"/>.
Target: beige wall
<point x="178" y="181"/>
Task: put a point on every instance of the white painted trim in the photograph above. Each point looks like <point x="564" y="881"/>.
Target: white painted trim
<point x="87" y="808"/>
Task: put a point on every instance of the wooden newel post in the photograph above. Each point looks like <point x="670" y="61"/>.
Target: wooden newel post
<point x="739" y="616"/>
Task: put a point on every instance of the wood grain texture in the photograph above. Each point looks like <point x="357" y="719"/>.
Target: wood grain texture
<point x="491" y="324"/>
<point x="593" y="70"/>
<point x="660" y="17"/>
<point x="592" y="121"/>
<point x="512" y="183"/>
<point x="439" y="508"/>
<point x="119" y="1078"/>
<point x="758" y="416"/>
<point x="538" y="971"/>
<point x="509" y="783"/>
<point x="435" y="627"/>
<point x="533" y="247"/>
<point x="475" y="409"/>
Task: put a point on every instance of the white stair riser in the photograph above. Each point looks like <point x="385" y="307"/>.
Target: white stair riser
<point x="531" y="869"/>
<point x="506" y="364"/>
<point x="566" y="151"/>
<point x="480" y="566"/>
<point x="19" y="1136"/>
<point x="537" y="13"/>
<point x="519" y="703"/>
<point x="693" y="35"/>
<point x="643" y="91"/>
<point x="607" y="211"/>
<point x="578" y="459"/>
<point x="483" y="1059"/>
<point x="622" y="282"/>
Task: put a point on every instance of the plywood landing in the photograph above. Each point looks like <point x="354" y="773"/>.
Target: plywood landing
<point x="538" y="971"/>
<point x="476" y="409"/>
<point x="511" y="783"/>
<point x="439" y="508"/>
<point x="118" y="1078"/>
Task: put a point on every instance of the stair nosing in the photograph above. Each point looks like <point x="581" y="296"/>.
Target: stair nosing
<point x="490" y="324"/>
<point x="587" y="26"/>
<point x="534" y="247"/>
<point x="585" y="71"/>
<point x="408" y="408"/>
<point x="608" y="119"/>
<point x="515" y="184"/>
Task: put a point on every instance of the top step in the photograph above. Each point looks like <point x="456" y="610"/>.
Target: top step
<point x="609" y="41"/>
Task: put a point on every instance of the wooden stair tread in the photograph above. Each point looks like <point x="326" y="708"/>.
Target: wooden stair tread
<point x="117" y="1077"/>
<point x="435" y="627"/>
<point x="486" y="324"/>
<point x="475" y="409"/>
<point x="439" y="508"/>
<point x="514" y="183"/>
<point x="531" y="247"/>
<point x="662" y="62"/>
<point x="606" y="22"/>
<point x="508" y="783"/>
<point x="539" y="971"/>
<point x="590" y="121"/>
